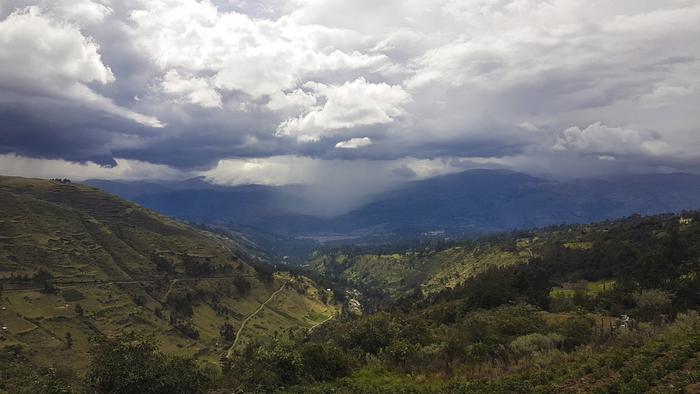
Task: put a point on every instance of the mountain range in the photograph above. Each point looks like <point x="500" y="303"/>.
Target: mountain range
<point x="467" y="203"/>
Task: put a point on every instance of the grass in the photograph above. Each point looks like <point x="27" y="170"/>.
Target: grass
<point x="579" y="245"/>
<point x="588" y="288"/>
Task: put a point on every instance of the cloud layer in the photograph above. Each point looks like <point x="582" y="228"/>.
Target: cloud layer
<point x="569" y="87"/>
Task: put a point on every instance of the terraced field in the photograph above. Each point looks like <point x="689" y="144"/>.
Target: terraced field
<point x="76" y="262"/>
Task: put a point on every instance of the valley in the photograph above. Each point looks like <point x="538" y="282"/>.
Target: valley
<point x="349" y="197"/>
<point x="84" y="272"/>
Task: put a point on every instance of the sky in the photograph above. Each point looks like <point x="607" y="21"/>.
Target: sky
<point x="355" y="95"/>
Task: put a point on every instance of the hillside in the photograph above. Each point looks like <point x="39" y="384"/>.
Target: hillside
<point x="610" y="307"/>
<point x="77" y="263"/>
<point x="405" y="272"/>
<point x="603" y="307"/>
<point x="392" y="272"/>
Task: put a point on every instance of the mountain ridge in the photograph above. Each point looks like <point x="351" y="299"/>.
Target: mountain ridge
<point x="468" y="203"/>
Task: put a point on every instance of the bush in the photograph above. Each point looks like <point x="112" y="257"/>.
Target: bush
<point x="242" y="285"/>
<point x="652" y="304"/>
<point x="265" y="366"/>
<point x="131" y="363"/>
<point x="71" y="295"/>
<point x="162" y="263"/>
<point x="527" y="344"/>
<point x="264" y="272"/>
<point x="561" y="304"/>
<point x="227" y="332"/>
<point x="324" y="361"/>
<point x="576" y="330"/>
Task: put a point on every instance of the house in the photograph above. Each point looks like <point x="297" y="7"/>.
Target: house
<point x="685" y="221"/>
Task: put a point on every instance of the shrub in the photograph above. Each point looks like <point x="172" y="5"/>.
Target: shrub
<point x="131" y="363"/>
<point x="242" y="285"/>
<point x="324" y="361"/>
<point x="71" y="295"/>
<point x="652" y="304"/>
<point x="576" y="330"/>
<point x="527" y="344"/>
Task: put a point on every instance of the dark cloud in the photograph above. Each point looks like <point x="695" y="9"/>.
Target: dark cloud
<point x="404" y="172"/>
<point x="407" y="89"/>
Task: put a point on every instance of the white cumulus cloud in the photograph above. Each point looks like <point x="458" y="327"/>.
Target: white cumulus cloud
<point x="256" y="56"/>
<point x="354" y="143"/>
<point x="606" y="141"/>
<point x="352" y="104"/>
<point x="192" y="89"/>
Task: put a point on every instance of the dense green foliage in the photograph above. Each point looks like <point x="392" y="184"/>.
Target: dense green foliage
<point x="131" y="363"/>
<point x="508" y="329"/>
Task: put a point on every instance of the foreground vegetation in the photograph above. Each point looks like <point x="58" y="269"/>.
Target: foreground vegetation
<point x="139" y="303"/>
<point x="608" y="308"/>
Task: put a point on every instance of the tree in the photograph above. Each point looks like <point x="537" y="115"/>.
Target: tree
<point x="242" y="285"/>
<point x="264" y="272"/>
<point x="79" y="310"/>
<point x="42" y="275"/>
<point x="324" y="361"/>
<point x="370" y="334"/>
<point x="227" y="332"/>
<point x="162" y="263"/>
<point x="492" y="288"/>
<point x="69" y="340"/>
<point x="264" y="366"/>
<point x="652" y="304"/>
<point x="131" y="363"/>
<point x="577" y="330"/>
<point x="400" y="352"/>
<point x="140" y="300"/>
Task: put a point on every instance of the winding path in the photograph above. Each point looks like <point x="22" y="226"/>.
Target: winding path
<point x="252" y="315"/>
<point x="318" y="324"/>
<point x="170" y="288"/>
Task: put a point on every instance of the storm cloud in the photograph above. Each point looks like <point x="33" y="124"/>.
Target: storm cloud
<point x="327" y="91"/>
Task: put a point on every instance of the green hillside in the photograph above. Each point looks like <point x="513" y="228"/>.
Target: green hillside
<point x="134" y="300"/>
<point x="77" y="263"/>
<point x="400" y="274"/>
<point x="603" y="308"/>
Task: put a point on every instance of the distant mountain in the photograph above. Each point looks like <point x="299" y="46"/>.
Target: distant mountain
<point x="495" y="200"/>
<point x="128" y="190"/>
<point x="470" y="202"/>
<point x="133" y="189"/>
